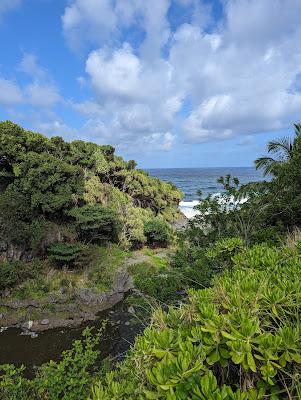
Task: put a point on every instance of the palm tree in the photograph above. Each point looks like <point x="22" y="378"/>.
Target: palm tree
<point x="282" y="149"/>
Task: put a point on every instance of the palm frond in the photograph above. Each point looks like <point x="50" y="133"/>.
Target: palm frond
<point x="265" y="163"/>
<point x="297" y="129"/>
<point x="282" y="148"/>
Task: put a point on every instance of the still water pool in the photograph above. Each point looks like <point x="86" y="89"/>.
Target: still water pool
<point x="19" y="348"/>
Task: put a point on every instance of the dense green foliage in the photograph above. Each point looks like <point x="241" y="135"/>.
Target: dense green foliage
<point x="12" y="273"/>
<point x="156" y="282"/>
<point x="67" y="254"/>
<point x="239" y="339"/>
<point x="283" y="192"/>
<point x="54" y="194"/>
<point x="237" y="336"/>
<point x="96" y="223"/>
<point x="50" y="177"/>
<point x="158" y="232"/>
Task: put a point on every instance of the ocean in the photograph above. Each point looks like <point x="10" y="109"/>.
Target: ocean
<point x="191" y="180"/>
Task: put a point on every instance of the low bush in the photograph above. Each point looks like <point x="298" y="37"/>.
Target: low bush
<point x="68" y="254"/>
<point x="271" y="235"/>
<point x="198" y="265"/>
<point x="15" y="272"/>
<point x="156" y="282"/>
<point x="158" y="232"/>
<point x="221" y="253"/>
<point x="163" y="286"/>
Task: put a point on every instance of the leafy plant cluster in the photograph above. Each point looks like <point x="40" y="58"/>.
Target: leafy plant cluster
<point x="239" y="339"/>
<point x="71" y="254"/>
<point x="159" y="284"/>
<point x="259" y="211"/>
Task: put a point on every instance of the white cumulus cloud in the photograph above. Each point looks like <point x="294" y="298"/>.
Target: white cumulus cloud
<point x="240" y="77"/>
<point x="205" y="79"/>
<point x="139" y="100"/>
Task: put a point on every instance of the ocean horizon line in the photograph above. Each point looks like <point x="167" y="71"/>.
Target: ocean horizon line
<point x="156" y="168"/>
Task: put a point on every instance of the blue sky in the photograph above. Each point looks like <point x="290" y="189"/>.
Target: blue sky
<point x="170" y="83"/>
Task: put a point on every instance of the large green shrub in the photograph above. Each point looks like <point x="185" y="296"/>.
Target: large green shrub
<point x="158" y="232"/>
<point x="197" y="266"/>
<point x="10" y="274"/>
<point x="196" y="270"/>
<point x="13" y="385"/>
<point x="162" y="284"/>
<point x="163" y="287"/>
<point x="68" y="254"/>
<point x="221" y="253"/>
<point x="70" y="378"/>
<point x="52" y="184"/>
<point x="96" y="223"/>
<point x="239" y="211"/>
<point x="15" y="217"/>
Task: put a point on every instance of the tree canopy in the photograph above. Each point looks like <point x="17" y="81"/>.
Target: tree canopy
<point x="79" y="183"/>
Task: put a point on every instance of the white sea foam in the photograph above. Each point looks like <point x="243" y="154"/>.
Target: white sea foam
<point x="187" y="208"/>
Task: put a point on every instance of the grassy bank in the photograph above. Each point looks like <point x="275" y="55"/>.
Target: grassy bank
<point x="52" y="293"/>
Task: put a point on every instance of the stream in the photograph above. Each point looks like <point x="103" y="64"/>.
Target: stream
<point x="32" y="350"/>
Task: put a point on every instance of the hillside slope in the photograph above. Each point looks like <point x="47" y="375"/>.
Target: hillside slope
<point x="54" y="191"/>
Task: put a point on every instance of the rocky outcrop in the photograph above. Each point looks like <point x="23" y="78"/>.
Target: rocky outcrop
<point x="181" y="222"/>
<point x="12" y="252"/>
<point x="61" y="309"/>
<point x="8" y="251"/>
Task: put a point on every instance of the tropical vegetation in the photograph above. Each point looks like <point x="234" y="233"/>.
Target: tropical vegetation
<point x="227" y="319"/>
<point x="60" y="200"/>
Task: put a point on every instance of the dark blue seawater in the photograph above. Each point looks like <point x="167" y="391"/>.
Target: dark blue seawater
<point x="191" y="180"/>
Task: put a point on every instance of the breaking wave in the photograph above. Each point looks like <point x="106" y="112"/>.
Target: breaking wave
<point x="187" y="207"/>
